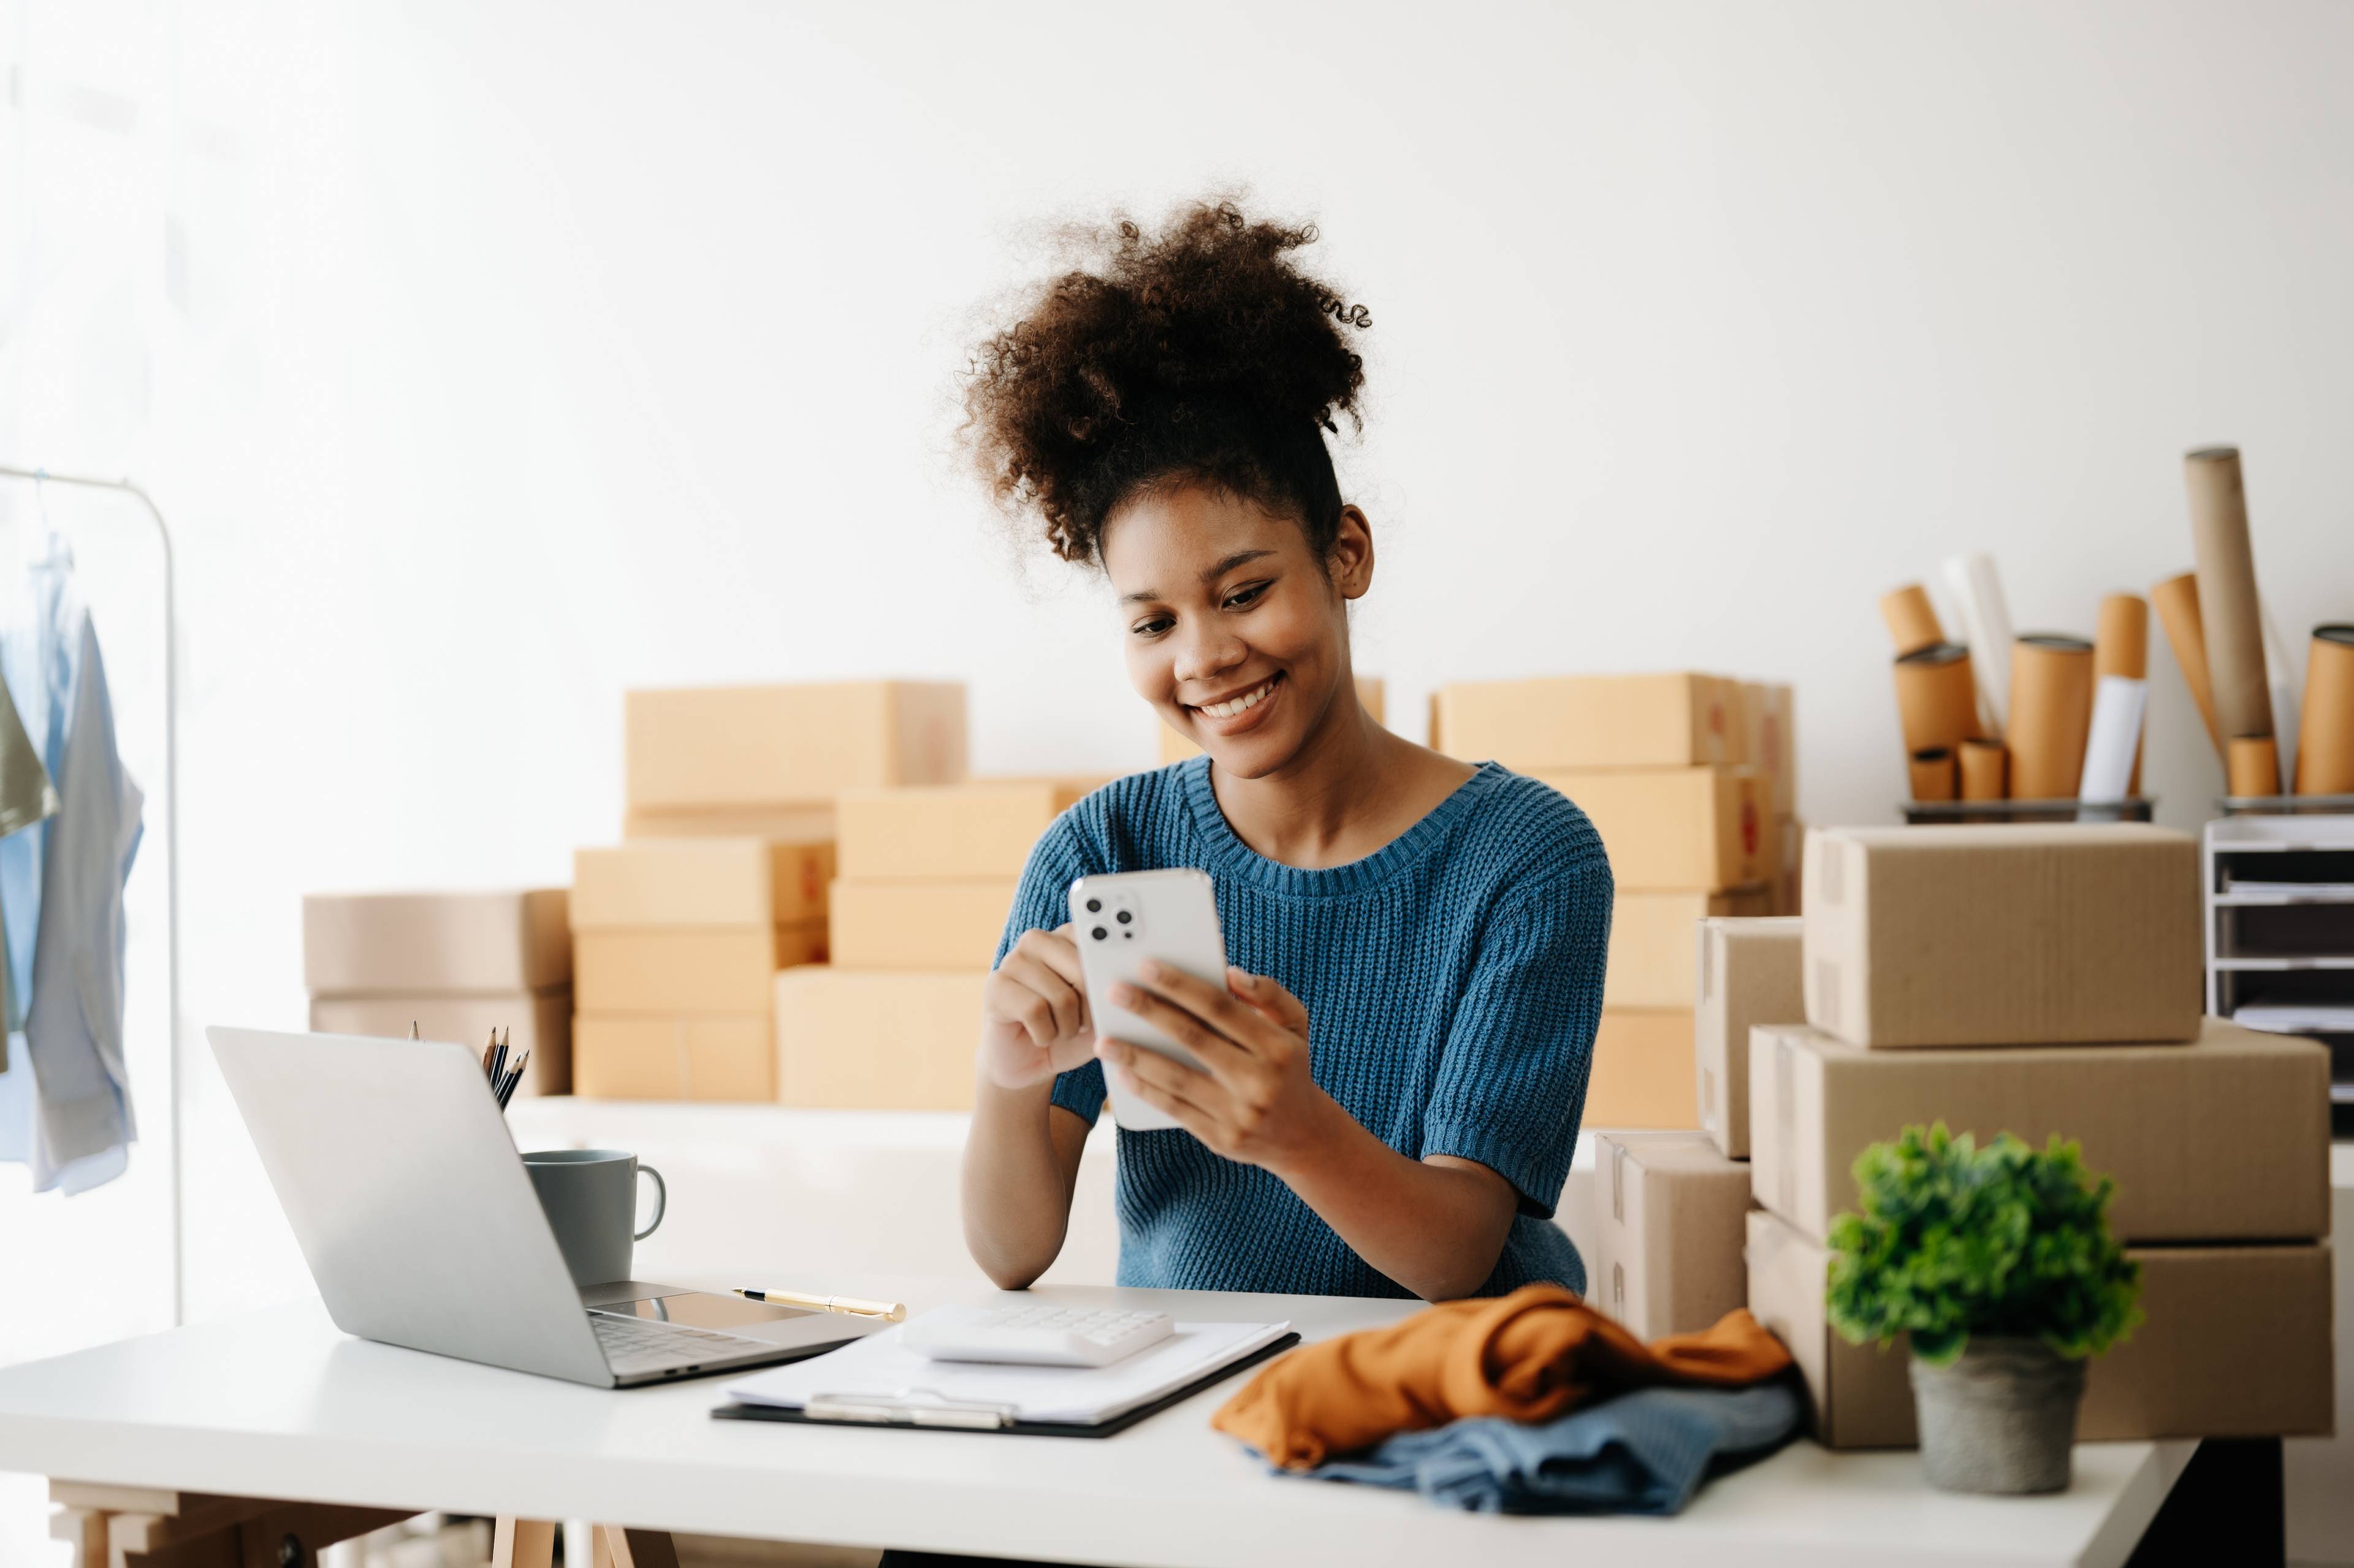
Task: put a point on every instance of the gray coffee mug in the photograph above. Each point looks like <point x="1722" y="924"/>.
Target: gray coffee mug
<point x="592" y="1199"/>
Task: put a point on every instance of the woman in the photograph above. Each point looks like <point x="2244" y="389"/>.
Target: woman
<point x="1395" y="1068"/>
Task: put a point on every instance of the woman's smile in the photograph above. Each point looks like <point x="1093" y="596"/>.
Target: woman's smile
<point x="1241" y="711"/>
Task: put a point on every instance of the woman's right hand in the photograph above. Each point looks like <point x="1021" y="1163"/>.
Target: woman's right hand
<point x="1033" y="1013"/>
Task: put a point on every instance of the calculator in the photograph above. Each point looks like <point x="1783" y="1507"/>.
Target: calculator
<point x="1035" y="1335"/>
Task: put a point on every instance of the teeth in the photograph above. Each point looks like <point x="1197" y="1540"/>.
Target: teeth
<point x="1241" y="704"/>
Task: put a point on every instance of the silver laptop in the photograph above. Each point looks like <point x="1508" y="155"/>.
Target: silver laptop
<point x="421" y="1228"/>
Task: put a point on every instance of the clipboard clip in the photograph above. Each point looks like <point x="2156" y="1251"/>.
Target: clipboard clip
<point x="911" y="1407"/>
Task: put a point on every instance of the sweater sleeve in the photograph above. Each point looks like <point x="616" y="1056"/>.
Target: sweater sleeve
<point x="1040" y="904"/>
<point x="1510" y="1086"/>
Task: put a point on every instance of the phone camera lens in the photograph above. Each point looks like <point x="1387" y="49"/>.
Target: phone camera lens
<point x="1123" y="917"/>
<point x="1095" y="905"/>
<point x="1099" y="933"/>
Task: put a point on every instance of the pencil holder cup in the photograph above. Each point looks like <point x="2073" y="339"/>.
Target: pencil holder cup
<point x="592" y="1199"/>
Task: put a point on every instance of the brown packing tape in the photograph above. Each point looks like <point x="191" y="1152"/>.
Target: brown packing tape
<point x="2227" y="591"/>
<point x="2050" y="714"/>
<point x="2121" y="647"/>
<point x="2324" y="737"/>
<point x="1984" y="769"/>
<point x="2177" y="599"/>
<point x="2253" y="766"/>
<point x="1936" y="697"/>
<point x="1933" y="774"/>
<point x="1911" y="621"/>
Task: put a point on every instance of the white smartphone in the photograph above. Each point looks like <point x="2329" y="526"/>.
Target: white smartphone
<point x="1119" y="920"/>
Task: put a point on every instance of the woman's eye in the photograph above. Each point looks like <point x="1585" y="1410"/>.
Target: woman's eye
<point x="1243" y="597"/>
<point x="1154" y="627"/>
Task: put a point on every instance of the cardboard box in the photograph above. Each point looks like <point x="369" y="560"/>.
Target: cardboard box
<point x="787" y="824"/>
<point x="1748" y="976"/>
<point x="700" y="882"/>
<point x="1651" y="943"/>
<point x="733" y="746"/>
<point x="536" y="1022"/>
<point x="1669" y="1233"/>
<point x="1675" y="828"/>
<point x="977" y="830"/>
<point x="920" y="924"/>
<point x="626" y="1056"/>
<point x="2235" y="1342"/>
<point x="2223" y="1139"/>
<point x="490" y="944"/>
<point x="861" y="1040"/>
<point x="691" y="969"/>
<point x="1790" y="835"/>
<point x="2003" y="935"/>
<point x="1768" y="728"/>
<point x="1642" y="1073"/>
<point x="1592" y="721"/>
<point x="1175" y="747"/>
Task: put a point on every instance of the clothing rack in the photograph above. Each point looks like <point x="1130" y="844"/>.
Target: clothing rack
<point x="36" y="478"/>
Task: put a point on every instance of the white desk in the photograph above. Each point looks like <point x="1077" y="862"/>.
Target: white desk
<point x="280" y="1404"/>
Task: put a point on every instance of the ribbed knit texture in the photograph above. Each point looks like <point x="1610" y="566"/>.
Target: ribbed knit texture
<point x="1453" y="981"/>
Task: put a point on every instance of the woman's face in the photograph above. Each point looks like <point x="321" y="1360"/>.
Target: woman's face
<point x="1236" y="632"/>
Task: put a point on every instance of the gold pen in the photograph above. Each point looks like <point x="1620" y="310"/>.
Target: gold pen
<point x="889" y="1311"/>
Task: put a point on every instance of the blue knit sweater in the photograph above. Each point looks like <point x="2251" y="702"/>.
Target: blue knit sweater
<point x="1453" y="981"/>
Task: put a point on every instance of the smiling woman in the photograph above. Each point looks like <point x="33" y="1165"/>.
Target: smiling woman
<point x="1391" y="1079"/>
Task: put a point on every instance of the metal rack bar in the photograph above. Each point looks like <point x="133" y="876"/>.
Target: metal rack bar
<point x="37" y="477"/>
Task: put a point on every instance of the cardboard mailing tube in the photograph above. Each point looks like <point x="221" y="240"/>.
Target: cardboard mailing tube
<point x="2325" y="740"/>
<point x="1986" y="770"/>
<point x="2178" y="610"/>
<point x="2255" y="765"/>
<point x="2050" y="714"/>
<point x="2121" y="647"/>
<point x="1936" y="700"/>
<point x="1912" y="619"/>
<point x="1933" y="774"/>
<point x="2227" y="592"/>
<point x="2281" y="680"/>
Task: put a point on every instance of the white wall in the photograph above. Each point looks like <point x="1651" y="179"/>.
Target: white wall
<point x="498" y="356"/>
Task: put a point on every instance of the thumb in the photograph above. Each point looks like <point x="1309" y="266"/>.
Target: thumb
<point x="1266" y="998"/>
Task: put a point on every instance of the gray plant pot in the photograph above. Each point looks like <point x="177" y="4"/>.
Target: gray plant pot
<point x="2002" y="1418"/>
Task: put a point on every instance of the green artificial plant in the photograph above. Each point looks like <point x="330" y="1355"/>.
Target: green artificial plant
<point x="1956" y="1240"/>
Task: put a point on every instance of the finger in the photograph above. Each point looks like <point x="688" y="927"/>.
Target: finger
<point x="1174" y="1078"/>
<point x="1271" y="1001"/>
<point x="1068" y="1006"/>
<point x="1215" y="1051"/>
<point x="1201" y="998"/>
<point x="1187" y="1113"/>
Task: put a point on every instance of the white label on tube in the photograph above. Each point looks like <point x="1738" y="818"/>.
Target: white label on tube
<point x="2116" y="736"/>
<point x="1985" y="616"/>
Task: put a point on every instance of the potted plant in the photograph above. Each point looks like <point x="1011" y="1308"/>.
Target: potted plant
<point x="1999" y="1264"/>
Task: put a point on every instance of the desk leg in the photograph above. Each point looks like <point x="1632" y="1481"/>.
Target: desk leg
<point x="2228" y="1506"/>
<point x="523" y="1544"/>
<point x="620" y="1547"/>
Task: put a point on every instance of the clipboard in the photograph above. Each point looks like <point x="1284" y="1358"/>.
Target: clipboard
<point x="993" y="1419"/>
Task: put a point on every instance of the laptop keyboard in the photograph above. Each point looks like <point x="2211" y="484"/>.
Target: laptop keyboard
<point x="633" y="1345"/>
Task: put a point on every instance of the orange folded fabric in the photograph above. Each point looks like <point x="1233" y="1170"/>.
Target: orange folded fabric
<point x="1532" y="1356"/>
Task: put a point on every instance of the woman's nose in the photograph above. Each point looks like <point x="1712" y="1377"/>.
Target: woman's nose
<point x="1204" y="655"/>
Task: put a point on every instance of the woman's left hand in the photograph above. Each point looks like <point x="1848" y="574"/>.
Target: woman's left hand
<point x="1256" y="1101"/>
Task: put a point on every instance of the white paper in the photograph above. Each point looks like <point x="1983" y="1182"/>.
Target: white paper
<point x="880" y="1368"/>
<point x="2284" y="677"/>
<point x="2295" y="1018"/>
<point x="1985" y="616"/>
<point x="2116" y="736"/>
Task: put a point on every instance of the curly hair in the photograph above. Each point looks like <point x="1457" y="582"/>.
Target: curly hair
<point x="1197" y="354"/>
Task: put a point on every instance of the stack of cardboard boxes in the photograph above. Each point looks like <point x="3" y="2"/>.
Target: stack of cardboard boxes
<point x="926" y="880"/>
<point x="2039" y="982"/>
<point x="1664" y="767"/>
<point x="1673" y="1206"/>
<point x="723" y="874"/>
<point x="456" y="966"/>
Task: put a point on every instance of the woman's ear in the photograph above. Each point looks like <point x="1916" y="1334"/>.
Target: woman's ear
<point x="1350" y="561"/>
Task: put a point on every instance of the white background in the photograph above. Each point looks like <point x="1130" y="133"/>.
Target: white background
<point x="491" y="357"/>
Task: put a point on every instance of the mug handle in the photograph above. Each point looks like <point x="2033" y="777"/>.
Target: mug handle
<point x="662" y="1201"/>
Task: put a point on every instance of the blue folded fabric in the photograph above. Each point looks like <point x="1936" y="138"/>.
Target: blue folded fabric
<point x="1645" y="1452"/>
